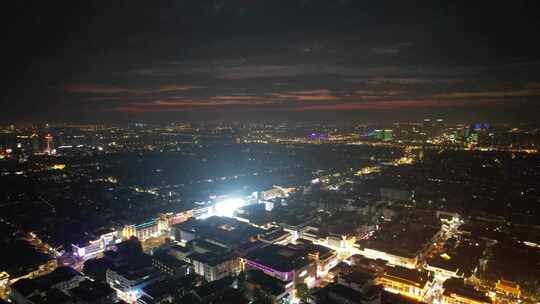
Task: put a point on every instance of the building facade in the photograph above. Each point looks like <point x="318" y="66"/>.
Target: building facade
<point x="215" y="267"/>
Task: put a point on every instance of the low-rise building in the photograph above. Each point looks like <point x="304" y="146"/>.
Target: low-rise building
<point x="63" y="279"/>
<point x="142" y="231"/>
<point x="336" y="293"/>
<point x="158" y="293"/>
<point x="278" y="291"/>
<point x="226" y="232"/>
<point x="507" y="288"/>
<point x="456" y="292"/>
<point x="408" y="282"/>
<point x="94" y="246"/>
<point x="217" y="291"/>
<point x="356" y="280"/>
<point x="458" y="259"/>
<point x="22" y="261"/>
<point x="392" y="256"/>
<point x="276" y="236"/>
<point x="296" y="226"/>
<point x="170" y="265"/>
<point x="180" y="252"/>
<point x="129" y="278"/>
<point x="91" y="292"/>
<point x="401" y="243"/>
<point x="215" y="266"/>
<point x="298" y="263"/>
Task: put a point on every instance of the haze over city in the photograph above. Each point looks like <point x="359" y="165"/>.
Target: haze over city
<point x="254" y="59"/>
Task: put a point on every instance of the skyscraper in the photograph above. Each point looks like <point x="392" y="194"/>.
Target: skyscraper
<point x="49" y="140"/>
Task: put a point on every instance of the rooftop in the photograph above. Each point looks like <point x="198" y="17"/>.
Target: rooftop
<point x="266" y="282"/>
<point x="160" y="289"/>
<point x="344" y="292"/>
<point x="392" y="298"/>
<point x="462" y="259"/>
<point x="457" y="287"/>
<point x="91" y="291"/>
<point x="61" y="274"/>
<point x="136" y="268"/>
<point x="146" y="224"/>
<point x="278" y="257"/>
<point x="358" y="277"/>
<point x="406" y="276"/>
<point x="274" y="235"/>
<point x="179" y="248"/>
<point x="214" y="287"/>
<point x="225" y="231"/>
<point x="210" y="258"/>
<point x="19" y="258"/>
<point x="401" y="238"/>
<point x="169" y="260"/>
<point x="52" y="296"/>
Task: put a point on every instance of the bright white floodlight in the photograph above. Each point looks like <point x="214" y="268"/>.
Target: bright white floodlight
<point x="228" y="206"/>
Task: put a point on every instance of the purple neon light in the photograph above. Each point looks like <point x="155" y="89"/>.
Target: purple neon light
<point x="284" y="275"/>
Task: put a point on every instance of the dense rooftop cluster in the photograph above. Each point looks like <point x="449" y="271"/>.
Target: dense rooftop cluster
<point x="214" y="214"/>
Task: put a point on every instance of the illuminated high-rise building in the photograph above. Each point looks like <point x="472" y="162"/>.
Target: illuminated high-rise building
<point x="35" y="142"/>
<point x="49" y="141"/>
<point x="388" y="135"/>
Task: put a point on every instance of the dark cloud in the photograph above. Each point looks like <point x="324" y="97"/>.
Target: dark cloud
<point x="99" y="59"/>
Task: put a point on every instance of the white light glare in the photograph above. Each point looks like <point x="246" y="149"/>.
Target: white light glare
<point x="228" y="206"/>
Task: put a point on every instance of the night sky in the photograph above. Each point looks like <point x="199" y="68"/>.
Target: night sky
<point x="116" y="60"/>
